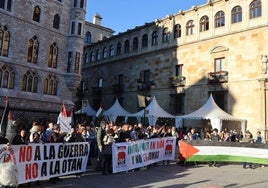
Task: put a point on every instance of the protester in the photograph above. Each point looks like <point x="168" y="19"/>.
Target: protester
<point x="108" y="140"/>
<point x="21" y="138"/>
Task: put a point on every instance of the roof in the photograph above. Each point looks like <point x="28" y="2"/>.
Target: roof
<point x="116" y="110"/>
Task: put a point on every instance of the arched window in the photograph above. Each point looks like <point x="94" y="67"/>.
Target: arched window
<point x="92" y="57"/>
<point x="53" y="56"/>
<point x="154" y="38"/>
<point x="81" y="3"/>
<point x="118" y="48"/>
<point x="88" y="37"/>
<point x="4" y="41"/>
<point x="190" y="27"/>
<point x="177" y="31"/>
<point x="33" y="46"/>
<point x="56" y="22"/>
<point x="104" y="53"/>
<point x="204" y="23"/>
<point x="165" y="35"/>
<point x="111" y="51"/>
<point x="98" y="55"/>
<point x="50" y="85"/>
<point x="135" y="44"/>
<point x="29" y="82"/>
<point x="36" y="14"/>
<point x="7" y="77"/>
<point x="144" y="42"/>
<point x="75" y="3"/>
<point x="255" y="9"/>
<point x="126" y="46"/>
<point x="236" y="14"/>
<point x="219" y="19"/>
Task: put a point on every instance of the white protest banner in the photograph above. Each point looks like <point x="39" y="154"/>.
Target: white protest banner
<point x="131" y="155"/>
<point x="42" y="161"/>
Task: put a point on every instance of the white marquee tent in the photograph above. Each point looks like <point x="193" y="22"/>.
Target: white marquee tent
<point x="211" y="111"/>
<point x="116" y="110"/>
<point x="153" y="111"/>
<point x="88" y="110"/>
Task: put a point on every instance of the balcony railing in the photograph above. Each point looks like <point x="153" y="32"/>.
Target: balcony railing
<point x="217" y="77"/>
<point x="177" y="81"/>
<point x="118" y="88"/>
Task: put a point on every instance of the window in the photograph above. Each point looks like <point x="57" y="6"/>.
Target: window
<point x="81" y="3"/>
<point x="111" y="51"/>
<point x="100" y="81"/>
<point x="126" y="47"/>
<point x="165" y="35"/>
<point x="29" y="82"/>
<point x="92" y="57"/>
<point x="88" y="37"/>
<point x="73" y="28"/>
<point x="236" y="14"/>
<point x="56" y="22"/>
<point x="4" y="41"/>
<point x="98" y="55"/>
<point x="75" y="3"/>
<point x="6" y="4"/>
<point x="135" y="44"/>
<point x="178" y="70"/>
<point x="144" y="42"/>
<point x="219" y="19"/>
<point x="118" y="48"/>
<point x="255" y="9"/>
<point x="190" y="27"/>
<point x="177" y="31"/>
<point x="36" y="14"/>
<point x="79" y="31"/>
<point x="77" y="63"/>
<point x="7" y="77"/>
<point x="32" y="54"/>
<point x="154" y="38"/>
<point x="53" y="56"/>
<point x="70" y="60"/>
<point x="104" y="53"/>
<point x="204" y="23"/>
<point x="50" y="85"/>
<point x="219" y="64"/>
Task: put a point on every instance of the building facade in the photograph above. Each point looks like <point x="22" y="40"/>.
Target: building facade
<point x="219" y="48"/>
<point x="41" y="50"/>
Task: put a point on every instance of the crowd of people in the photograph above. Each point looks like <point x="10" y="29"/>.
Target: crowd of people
<point x="103" y="134"/>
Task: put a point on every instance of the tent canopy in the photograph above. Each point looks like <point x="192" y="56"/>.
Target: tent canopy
<point x="116" y="110"/>
<point x="88" y="110"/>
<point x="153" y="111"/>
<point x="210" y="110"/>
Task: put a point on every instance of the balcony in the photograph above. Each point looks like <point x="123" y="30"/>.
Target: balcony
<point x="145" y="85"/>
<point x="118" y="88"/>
<point x="217" y="77"/>
<point x="177" y="81"/>
<point x="96" y="90"/>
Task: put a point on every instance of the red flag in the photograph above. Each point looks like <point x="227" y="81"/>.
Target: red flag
<point x="186" y="150"/>
<point x="63" y="110"/>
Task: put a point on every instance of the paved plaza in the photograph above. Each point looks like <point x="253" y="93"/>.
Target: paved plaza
<point x="170" y="176"/>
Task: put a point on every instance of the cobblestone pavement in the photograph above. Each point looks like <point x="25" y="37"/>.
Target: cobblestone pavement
<point x="173" y="175"/>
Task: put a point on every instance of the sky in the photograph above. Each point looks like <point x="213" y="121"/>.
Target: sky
<point x="121" y="15"/>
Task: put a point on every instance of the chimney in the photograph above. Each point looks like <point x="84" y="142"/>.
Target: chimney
<point x="97" y="19"/>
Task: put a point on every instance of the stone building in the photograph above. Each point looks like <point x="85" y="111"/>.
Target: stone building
<point x="41" y="50"/>
<point x="219" y="48"/>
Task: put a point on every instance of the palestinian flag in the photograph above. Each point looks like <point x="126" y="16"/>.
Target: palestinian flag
<point x="100" y="113"/>
<point x="227" y="152"/>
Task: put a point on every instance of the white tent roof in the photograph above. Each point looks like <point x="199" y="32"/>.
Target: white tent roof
<point x="116" y="110"/>
<point x="210" y="110"/>
<point x="153" y="111"/>
<point x="87" y="110"/>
